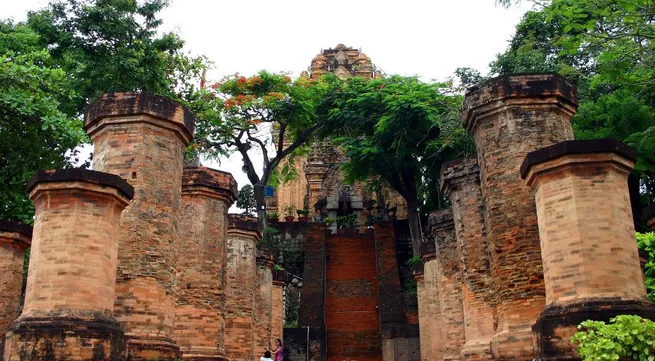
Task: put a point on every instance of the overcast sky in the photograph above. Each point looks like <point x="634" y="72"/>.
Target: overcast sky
<point x="425" y="38"/>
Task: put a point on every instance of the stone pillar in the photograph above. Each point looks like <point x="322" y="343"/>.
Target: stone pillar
<point x="591" y="262"/>
<point x="448" y="283"/>
<point x="15" y="239"/>
<point x="280" y="278"/>
<point x="460" y="182"/>
<point x="266" y="258"/>
<point x="241" y="281"/>
<point x="423" y="313"/>
<point x="200" y="302"/>
<point x="69" y="300"/>
<point x="510" y="116"/>
<point x="430" y="321"/>
<point x="141" y="137"/>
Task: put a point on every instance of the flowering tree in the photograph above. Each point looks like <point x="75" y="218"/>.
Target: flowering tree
<point x="267" y="113"/>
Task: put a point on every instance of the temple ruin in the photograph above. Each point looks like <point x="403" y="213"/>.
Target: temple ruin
<point x="138" y="259"/>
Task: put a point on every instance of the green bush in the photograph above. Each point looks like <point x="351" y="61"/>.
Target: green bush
<point x="646" y="242"/>
<point x="626" y="337"/>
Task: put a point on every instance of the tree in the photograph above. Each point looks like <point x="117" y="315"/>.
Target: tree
<point x="57" y="61"/>
<point x="239" y="114"/>
<point x="246" y="199"/>
<point x="400" y="129"/>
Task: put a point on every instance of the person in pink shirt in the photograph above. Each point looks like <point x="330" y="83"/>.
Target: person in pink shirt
<point x="277" y="354"/>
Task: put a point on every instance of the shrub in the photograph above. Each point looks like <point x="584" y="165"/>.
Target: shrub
<point x="646" y="242"/>
<point x="626" y="337"/>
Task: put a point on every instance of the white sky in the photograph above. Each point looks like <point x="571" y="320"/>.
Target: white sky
<point x="411" y="37"/>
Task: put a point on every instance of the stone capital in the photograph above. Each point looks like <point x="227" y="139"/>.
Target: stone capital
<point x="81" y="180"/>
<point x="130" y="108"/>
<point x="209" y="182"/>
<point x="440" y="221"/>
<point x="280" y="278"/>
<point x="428" y="251"/>
<point x="526" y="91"/>
<point x="17" y="231"/>
<point x="457" y="172"/>
<point x="418" y="271"/>
<point x="578" y="154"/>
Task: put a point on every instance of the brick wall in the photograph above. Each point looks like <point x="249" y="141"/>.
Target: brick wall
<point x="460" y="181"/>
<point x="312" y="302"/>
<point x="241" y="282"/>
<point x="141" y="138"/>
<point x="72" y="270"/>
<point x="280" y="278"/>
<point x="510" y="116"/>
<point x="200" y="301"/>
<point x="353" y="329"/>
<point x="15" y="238"/>
<point x="448" y="277"/>
<point x="425" y="338"/>
<point x="591" y="262"/>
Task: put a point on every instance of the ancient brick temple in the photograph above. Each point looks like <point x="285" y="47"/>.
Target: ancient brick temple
<point x="319" y="174"/>
<point x="135" y="260"/>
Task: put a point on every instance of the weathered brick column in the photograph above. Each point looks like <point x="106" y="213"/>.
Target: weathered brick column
<point x="448" y="283"/>
<point x="315" y="172"/>
<point x="280" y="278"/>
<point x="510" y="116"/>
<point x="423" y="313"/>
<point x="460" y="182"/>
<point x="241" y="276"/>
<point x="591" y="262"/>
<point x="266" y="259"/>
<point x="200" y="303"/>
<point x="69" y="300"/>
<point x="15" y="239"/>
<point x="141" y="137"/>
<point x="430" y="320"/>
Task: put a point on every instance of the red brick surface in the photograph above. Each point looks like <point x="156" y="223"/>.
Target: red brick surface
<point x="141" y="138"/>
<point x="263" y="300"/>
<point x="510" y="116"/>
<point x="200" y="303"/>
<point x="430" y="317"/>
<point x="72" y="273"/>
<point x="241" y="282"/>
<point x="15" y="238"/>
<point x="460" y="181"/>
<point x="353" y="329"/>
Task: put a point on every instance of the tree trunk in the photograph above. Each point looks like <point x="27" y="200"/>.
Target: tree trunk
<point x="414" y="226"/>
<point x="258" y="191"/>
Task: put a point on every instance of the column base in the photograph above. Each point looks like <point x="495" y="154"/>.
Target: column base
<point x="558" y="323"/>
<point x="143" y="349"/>
<point x="200" y="357"/>
<point x="515" y="344"/>
<point x="98" y="338"/>
<point x="479" y="350"/>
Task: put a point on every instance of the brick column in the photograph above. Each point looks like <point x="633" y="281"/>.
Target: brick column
<point x="15" y="239"/>
<point x="141" y="137"/>
<point x="280" y="278"/>
<point x="431" y="321"/>
<point x="448" y="282"/>
<point x="68" y="311"/>
<point x="241" y="281"/>
<point x="460" y="182"/>
<point x="423" y="313"/>
<point x="200" y="302"/>
<point x="591" y="262"/>
<point x="266" y="258"/>
<point x="510" y="116"/>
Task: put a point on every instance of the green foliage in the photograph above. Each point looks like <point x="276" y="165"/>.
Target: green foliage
<point x="289" y="210"/>
<point x="246" y="200"/>
<point x="413" y="261"/>
<point x="272" y="215"/>
<point x="64" y="56"/>
<point x="646" y="242"/>
<point x="302" y="212"/>
<point x="270" y="238"/>
<point x="626" y="337"/>
<point x="330" y="221"/>
<point x="348" y="222"/>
